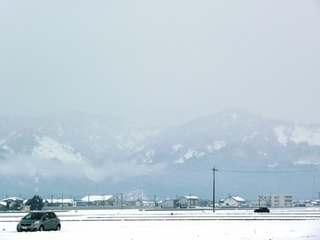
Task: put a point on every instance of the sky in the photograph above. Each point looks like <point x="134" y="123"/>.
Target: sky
<point x="161" y="61"/>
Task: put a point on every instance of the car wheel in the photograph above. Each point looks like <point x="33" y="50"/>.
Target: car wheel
<point x="41" y="229"/>
<point x="58" y="228"/>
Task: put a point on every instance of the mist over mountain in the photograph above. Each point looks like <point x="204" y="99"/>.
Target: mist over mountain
<point x="78" y="154"/>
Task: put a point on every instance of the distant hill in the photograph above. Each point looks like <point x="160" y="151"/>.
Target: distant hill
<point x="78" y="154"/>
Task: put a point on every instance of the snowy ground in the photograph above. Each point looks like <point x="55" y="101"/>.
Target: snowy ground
<point x="133" y="224"/>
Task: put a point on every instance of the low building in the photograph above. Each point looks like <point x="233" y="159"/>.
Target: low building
<point x="232" y="201"/>
<point x="52" y="202"/>
<point x="3" y="206"/>
<point x="145" y="203"/>
<point x="188" y="201"/>
<point x="12" y="203"/>
<point x="169" y="203"/>
<point x="277" y="200"/>
<point x="98" y="200"/>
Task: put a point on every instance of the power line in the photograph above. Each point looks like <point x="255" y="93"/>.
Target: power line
<point x="269" y="172"/>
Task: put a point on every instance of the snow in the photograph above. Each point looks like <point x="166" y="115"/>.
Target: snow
<point x="200" y="154"/>
<point x="273" y="165"/>
<point x="298" y="134"/>
<point x="217" y="145"/>
<point x="264" y="154"/>
<point x="150" y="154"/>
<point x="180" y="160"/>
<point x="250" y="137"/>
<point x="281" y="136"/>
<point x="126" y="225"/>
<point x="301" y="134"/>
<point x="238" y="199"/>
<point x="50" y="148"/>
<point x="177" y="147"/>
<point x="94" y="198"/>
<point x="189" y="154"/>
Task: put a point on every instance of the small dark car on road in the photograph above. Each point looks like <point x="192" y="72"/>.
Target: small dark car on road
<point x="39" y="221"/>
<point x="262" y="209"/>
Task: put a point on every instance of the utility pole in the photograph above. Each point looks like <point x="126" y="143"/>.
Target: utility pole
<point x="117" y="200"/>
<point x="214" y="188"/>
<point x="121" y="201"/>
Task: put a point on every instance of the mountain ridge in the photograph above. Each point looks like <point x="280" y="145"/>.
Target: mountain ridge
<point x="120" y="156"/>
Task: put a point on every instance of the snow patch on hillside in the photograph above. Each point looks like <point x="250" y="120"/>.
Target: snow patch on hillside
<point x="147" y="157"/>
<point x="250" y="137"/>
<point x="138" y="149"/>
<point x="280" y="132"/>
<point x="180" y="160"/>
<point x="51" y="149"/>
<point x="189" y="154"/>
<point x="200" y="154"/>
<point x="217" y="145"/>
<point x="273" y="165"/>
<point x="7" y="148"/>
<point x="177" y="147"/>
<point x="150" y="153"/>
<point x="298" y="134"/>
<point x="193" y="153"/>
<point x="264" y="154"/>
<point x="302" y="134"/>
<point x="306" y="162"/>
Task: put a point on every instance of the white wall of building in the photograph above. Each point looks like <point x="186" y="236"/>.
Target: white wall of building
<point x="188" y="201"/>
<point x="232" y="201"/>
<point x="277" y="200"/>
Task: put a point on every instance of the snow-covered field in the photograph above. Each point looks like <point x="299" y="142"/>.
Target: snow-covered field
<point x="134" y="224"/>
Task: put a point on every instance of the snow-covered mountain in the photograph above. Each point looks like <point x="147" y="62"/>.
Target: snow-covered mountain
<point x="77" y="154"/>
<point x="76" y="137"/>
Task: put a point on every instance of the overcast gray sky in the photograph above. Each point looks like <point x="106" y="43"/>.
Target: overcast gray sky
<point x="165" y="60"/>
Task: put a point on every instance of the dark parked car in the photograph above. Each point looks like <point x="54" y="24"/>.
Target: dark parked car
<point x="262" y="209"/>
<point x="39" y="221"/>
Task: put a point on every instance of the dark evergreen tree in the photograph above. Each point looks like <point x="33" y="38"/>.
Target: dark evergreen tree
<point x="36" y="203"/>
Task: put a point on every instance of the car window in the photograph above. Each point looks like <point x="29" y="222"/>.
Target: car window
<point x="33" y="216"/>
<point x="52" y="215"/>
<point x="28" y="216"/>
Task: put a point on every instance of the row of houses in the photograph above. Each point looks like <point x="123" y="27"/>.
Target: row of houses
<point x="264" y="200"/>
<point x="15" y="203"/>
<point x="112" y="200"/>
<point x="89" y="200"/>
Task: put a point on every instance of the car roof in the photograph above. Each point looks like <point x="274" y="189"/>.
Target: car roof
<point x="41" y="212"/>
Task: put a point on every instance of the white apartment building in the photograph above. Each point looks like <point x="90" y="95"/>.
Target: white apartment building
<point x="276" y="200"/>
